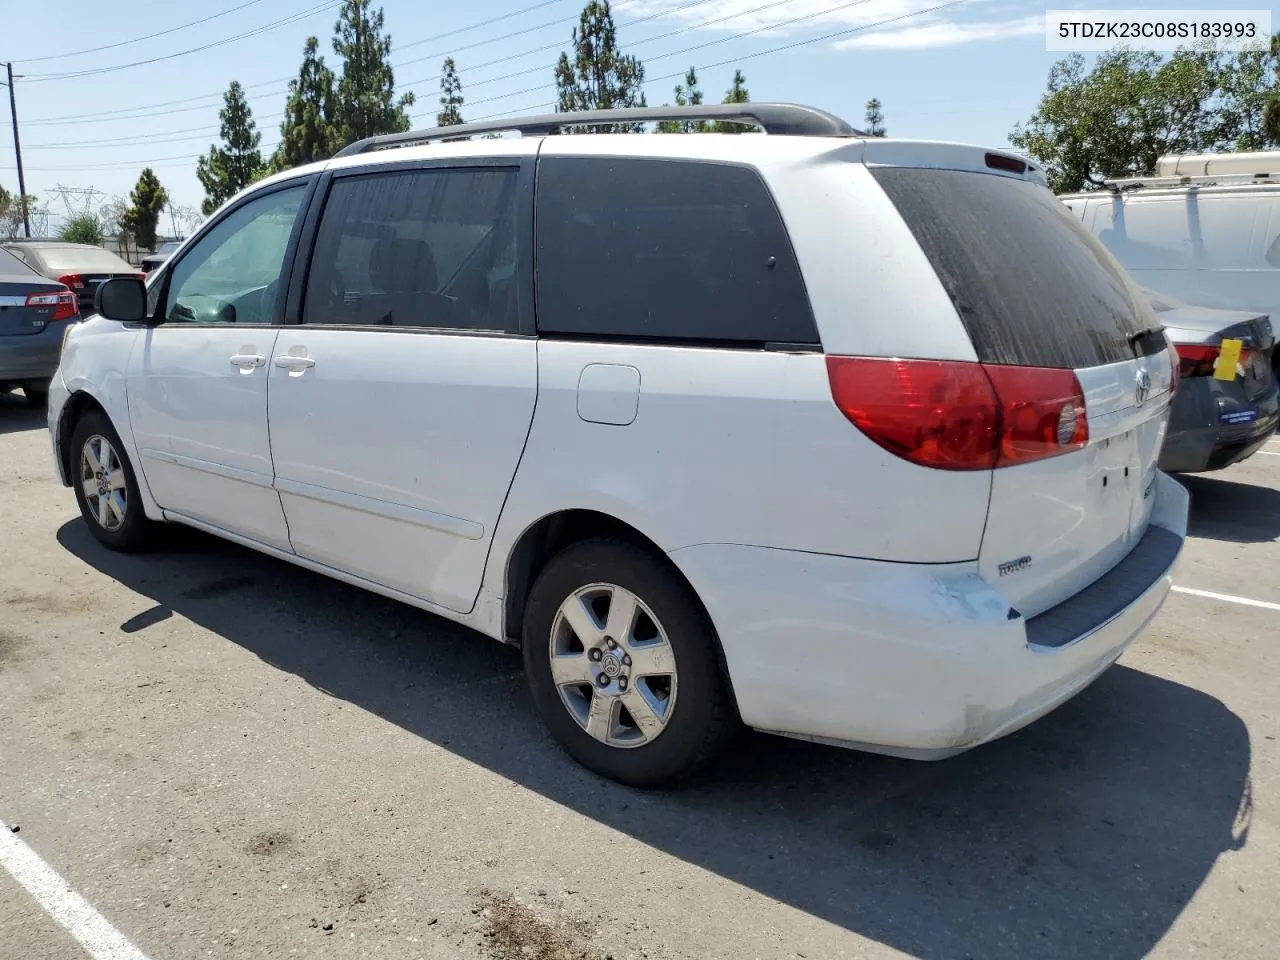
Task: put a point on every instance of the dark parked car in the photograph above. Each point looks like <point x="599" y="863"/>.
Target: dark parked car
<point x="153" y="261"/>
<point x="34" y="314"/>
<point x="1222" y="412"/>
<point x="80" y="266"/>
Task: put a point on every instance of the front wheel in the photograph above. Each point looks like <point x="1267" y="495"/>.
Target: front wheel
<point x="106" y="486"/>
<point x="622" y="664"/>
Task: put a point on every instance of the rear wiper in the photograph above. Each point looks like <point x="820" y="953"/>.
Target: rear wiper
<point x="1137" y="335"/>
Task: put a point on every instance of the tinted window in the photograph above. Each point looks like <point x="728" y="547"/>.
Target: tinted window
<point x="1032" y="286"/>
<point x="13" y="266"/>
<point x="665" y="249"/>
<point x="230" y="274"/>
<point x="419" y="248"/>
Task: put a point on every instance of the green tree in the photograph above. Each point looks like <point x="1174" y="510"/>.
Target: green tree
<point x="874" y="118"/>
<point x="450" y="114"/>
<point x="737" y="93"/>
<point x="367" y="104"/>
<point x="228" y="169"/>
<point x="309" y="131"/>
<point x="1119" y="118"/>
<point x="599" y="77"/>
<point x="146" y="203"/>
<point x="1250" y="86"/>
<point x="687" y="95"/>
<point x="82" y="228"/>
<point x="11" y="210"/>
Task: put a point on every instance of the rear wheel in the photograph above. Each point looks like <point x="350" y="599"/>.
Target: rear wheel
<point x="106" y="486"/>
<point x="622" y="664"/>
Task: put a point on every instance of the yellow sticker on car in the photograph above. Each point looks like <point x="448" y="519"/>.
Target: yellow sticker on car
<point x="1224" y="368"/>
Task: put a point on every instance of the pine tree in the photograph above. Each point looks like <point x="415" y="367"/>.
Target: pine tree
<point x="230" y="168"/>
<point x="309" y="131"/>
<point x="450" y="114"/>
<point x="146" y="203"/>
<point x="599" y="77"/>
<point x="687" y="95"/>
<point x="874" y="118"/>
<point x="367" y="104"/>
<point x="737" y="93"/>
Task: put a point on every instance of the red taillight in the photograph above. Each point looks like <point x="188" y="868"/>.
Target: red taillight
<point x="1174" y="364"/>
<point x="1196" y="360"/>
<point x="64" y="303"/>
<point x="72" y="280"/>
<point x="956" y="415"/>
<point x="998" y="161"/>
<point x="142" y="275"/>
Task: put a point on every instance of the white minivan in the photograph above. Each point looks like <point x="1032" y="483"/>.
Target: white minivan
<point x="839" y="437"/>
<point x="1205" y="229"/>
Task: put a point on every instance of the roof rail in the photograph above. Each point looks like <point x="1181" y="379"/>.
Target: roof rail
<point x="1123" y="184"/>
<point x="778" y="119"/>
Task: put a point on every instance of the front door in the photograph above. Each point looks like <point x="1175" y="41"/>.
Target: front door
<point x="198" y="379"/>
<point x="401" y="403"/>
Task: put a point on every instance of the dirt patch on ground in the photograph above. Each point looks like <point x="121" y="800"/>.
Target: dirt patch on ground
<point x="514" y="932"/>
<point x="42" y="603"/>
<point x="269" y="844"/>
<point x="10" y="644"/>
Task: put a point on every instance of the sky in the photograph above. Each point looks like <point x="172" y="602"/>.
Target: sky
<point x="91" y="119"/>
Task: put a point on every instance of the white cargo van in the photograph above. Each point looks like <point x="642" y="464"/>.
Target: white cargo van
<point x="1205" y="229"/>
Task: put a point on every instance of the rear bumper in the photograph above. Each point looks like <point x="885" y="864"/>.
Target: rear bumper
<point x="58" y="397"/>
<point x="1197" y="440"/>
<point x="31" y="357"/>
<point x="911" y="659"/>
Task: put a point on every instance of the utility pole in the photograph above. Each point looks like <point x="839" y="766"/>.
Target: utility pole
<point x="17" y="152"/>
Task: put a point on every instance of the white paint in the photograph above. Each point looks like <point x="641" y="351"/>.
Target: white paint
<point x="1270" y="453"/>
<point x="90" y="929"/>
<point x="1228" y="598"/>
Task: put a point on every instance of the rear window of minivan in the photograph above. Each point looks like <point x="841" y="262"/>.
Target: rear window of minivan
<point x="1031" y="285"/>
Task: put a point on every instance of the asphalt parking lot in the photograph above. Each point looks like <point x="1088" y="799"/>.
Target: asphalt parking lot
<point x="225" y="755"/>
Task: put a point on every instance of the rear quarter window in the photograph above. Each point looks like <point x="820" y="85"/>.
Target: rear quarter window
<point x="665" y="250"/>
<point x="1031" y="285"/>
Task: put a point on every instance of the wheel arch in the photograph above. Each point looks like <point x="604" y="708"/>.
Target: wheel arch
<point x="549" y="535"/>
<point x="77" y="405"/>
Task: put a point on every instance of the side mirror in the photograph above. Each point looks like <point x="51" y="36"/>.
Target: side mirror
<point x="122" y="298"/>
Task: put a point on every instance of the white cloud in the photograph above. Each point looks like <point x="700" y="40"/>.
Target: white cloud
<point x="943" y="33"/>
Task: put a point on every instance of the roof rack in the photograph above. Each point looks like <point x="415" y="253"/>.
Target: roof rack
<point x="777" y="119"/>
<point x="1123" y="184"/>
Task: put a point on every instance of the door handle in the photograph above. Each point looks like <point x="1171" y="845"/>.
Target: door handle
<point x="294" y="363"/>
<point x="248" y="360"/>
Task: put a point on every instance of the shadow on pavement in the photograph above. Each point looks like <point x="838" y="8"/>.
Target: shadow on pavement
<point x="1084" y="835"/>
<point x="1231" y="511"/>
<point x="17" y="415"/>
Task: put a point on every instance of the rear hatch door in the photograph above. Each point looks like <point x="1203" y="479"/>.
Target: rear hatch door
<point x="1034" y="289"/>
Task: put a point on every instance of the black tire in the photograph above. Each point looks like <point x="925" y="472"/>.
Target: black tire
<point x="136" y="532"/>
<point x="702" y="717"/>
<point x="37" y="394"/>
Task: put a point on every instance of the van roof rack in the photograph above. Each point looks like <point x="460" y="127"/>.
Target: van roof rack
<point x="1123" y="184"/>
<point x="776" y="119"/>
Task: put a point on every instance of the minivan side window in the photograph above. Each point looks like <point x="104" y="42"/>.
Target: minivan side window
<point x="665" y="249"/>
<point x="230" y="275"/>
<point x="417" y="248"/>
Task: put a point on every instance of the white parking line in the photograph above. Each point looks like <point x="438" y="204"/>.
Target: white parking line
<point x="91" y="930"/>
<point x="1270" y="453"/>
<point x="1228" y="598"/>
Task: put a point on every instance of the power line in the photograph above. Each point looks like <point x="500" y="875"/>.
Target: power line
<point x="149" y="36"/>
<point x="832" y="35"/>
<point x="661" y="36"/>
<point x="681" y="52"/>
<point x="133" y="112"/>
<point x="256" y="31"/>
<point x="752" y="56"/>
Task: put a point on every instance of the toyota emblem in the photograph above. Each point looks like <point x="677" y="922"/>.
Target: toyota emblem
<point x="1143" y="388"/>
